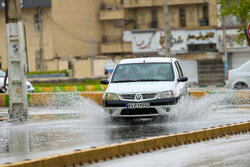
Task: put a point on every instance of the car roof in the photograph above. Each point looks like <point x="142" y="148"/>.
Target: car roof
<point x="147" y="60"/>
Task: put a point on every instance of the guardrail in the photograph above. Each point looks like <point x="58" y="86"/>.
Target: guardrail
<point x="93" y="155"/>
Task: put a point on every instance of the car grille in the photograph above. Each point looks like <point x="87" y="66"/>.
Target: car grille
<point x="144" y="96"/>
<point x="128" y="96"/>
<point x="139" y="111"/>
<point x="148" y="96"/>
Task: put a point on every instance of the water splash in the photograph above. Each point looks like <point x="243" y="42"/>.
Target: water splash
<point x="72" y="106"/>
<point x="189" y="109"/>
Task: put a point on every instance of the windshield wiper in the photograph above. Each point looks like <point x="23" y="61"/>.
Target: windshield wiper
<point x="149" y="80"/>
<point x="120" y="81"/>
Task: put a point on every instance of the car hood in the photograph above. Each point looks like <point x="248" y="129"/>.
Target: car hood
<point x="140" y="87"/>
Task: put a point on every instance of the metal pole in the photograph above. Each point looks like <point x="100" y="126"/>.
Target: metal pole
<point x="26" y="48"/>
<point x="166" y="29"/>
<point x="225" y="58"/>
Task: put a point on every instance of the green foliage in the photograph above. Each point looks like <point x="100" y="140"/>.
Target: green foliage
<point x="49" y="72"/>
<point x="238" y="8"/>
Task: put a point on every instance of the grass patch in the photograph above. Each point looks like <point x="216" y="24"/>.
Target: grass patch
<point x="49" y="72"/>
<point x="86" y="82"/>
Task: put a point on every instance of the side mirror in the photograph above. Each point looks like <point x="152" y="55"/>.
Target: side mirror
<point x="183" y="79"/>
<point x="104" y="81"/>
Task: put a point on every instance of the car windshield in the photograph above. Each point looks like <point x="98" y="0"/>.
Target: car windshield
<point x="2" y="74"/>
<point x="143" y="72"/>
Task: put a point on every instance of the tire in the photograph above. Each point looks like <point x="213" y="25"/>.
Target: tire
<point x="240" y="86"/>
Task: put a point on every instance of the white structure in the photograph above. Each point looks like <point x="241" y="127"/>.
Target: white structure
<point x="16" y="75"/>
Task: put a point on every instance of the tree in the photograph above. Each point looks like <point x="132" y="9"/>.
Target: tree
<point x="238" y="8"/>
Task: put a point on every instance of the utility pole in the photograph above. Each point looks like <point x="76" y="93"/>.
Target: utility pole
<point x="40" y="17"/>
<point x="225" y="58"/>
<point x="18" y="107"/>
<point x="166" y="29"/>
<point x="26" y="49"/>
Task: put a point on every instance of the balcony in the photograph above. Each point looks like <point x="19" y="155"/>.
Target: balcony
<point x="115" y="14"/>
<point x="184" y="2"/>
<point x="150" y="3"/>
<point x="138" y="3"/>
<point x="116" y="47"/>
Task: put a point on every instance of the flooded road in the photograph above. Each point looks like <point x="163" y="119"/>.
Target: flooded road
<point x="55" y="130"/>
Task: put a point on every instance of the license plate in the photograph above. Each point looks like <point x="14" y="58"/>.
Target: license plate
<point x="138" y="105"/>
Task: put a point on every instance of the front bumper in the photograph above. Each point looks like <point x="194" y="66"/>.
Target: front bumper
<point x="158" y="107"/>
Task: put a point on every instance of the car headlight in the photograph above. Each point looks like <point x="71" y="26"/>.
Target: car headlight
<point x="111" y="96"/>
<point x="166" y="94"/>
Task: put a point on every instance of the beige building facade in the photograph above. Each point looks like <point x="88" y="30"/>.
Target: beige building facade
<point x="63" y="35"/>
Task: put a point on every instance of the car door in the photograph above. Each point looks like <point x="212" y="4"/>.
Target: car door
<point x="182" y="85"/>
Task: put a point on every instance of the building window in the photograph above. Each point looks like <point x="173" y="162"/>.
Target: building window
<point x="202" y="48"/>
<point x="154" y="22"/>
<point x="182" y="17"/>
<point x="204" y="21"/>
<point x="205" y="12"/>
<point x="38" y="60"/>
<point x="37" y="22"/>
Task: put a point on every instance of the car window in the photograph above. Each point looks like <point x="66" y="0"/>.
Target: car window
<point x="143" y="72"/>
<point x="2" y="74"/>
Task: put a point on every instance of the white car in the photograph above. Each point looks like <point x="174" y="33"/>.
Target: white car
<point x="144" y="87"/>
<point x="29" y="87"/>
<point x="239" y="78"/>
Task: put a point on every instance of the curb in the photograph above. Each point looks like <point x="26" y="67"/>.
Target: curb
<point x="3" y="118"/>
<point x="93" y="155"/>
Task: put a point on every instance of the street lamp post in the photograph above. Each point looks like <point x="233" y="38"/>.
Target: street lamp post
<point x="91" y="45"/>
<point x="166" y="29"/>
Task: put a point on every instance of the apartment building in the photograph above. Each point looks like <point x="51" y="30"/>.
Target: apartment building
<point x="139" y="25"/>
<point x="196" y="35"/>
